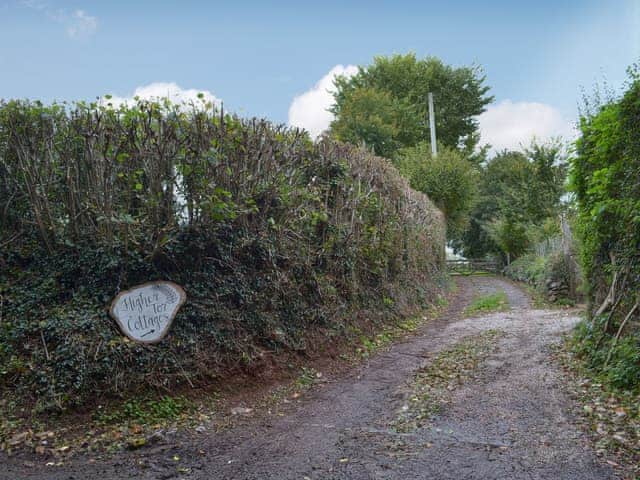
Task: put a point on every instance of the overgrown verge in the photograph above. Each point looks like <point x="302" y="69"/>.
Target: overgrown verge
<point x="281" y="245"/>
<point x="604" y="175"/>
<point x="551" y="276"/>
<point x="607" y="409"/>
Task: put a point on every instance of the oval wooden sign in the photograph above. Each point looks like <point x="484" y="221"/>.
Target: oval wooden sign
<point x="144" y="313"/>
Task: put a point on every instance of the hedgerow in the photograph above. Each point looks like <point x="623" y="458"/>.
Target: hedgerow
<point x="281" y="244"/>
<point x="605" y="173"/>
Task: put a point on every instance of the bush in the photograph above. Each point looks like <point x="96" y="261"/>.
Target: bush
<point x="277" y="241"/>
<point x="616" y="363"/>
<point x="529" y="268"/>
<point x="551" y="275"/>
<point x="449" y="179"/>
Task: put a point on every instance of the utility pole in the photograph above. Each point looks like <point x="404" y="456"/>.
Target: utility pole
<point x="432" y="127"/>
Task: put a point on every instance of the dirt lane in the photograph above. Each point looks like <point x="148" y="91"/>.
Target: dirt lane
<point x="509" y="422"/>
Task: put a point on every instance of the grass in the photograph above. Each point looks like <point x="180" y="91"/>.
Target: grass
<point x="494" y="302"/>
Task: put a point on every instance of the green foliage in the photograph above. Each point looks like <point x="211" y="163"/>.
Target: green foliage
<point x="144" y="412"/>
<point x="449" y="180"/>
<point x="510" y="236"/>
<point x="530" y="268"/>
<point x="275" y="240"/>
<point x="604" y="178"/>
<point x="543" y="271"/>
<point x="518" y="194"/>
<point x="372" y="117"/>
<point x="385" y="103"/>
<point x="622" y="370"/>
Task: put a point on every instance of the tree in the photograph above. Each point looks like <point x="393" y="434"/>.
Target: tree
<point x="518" y="191"/>
<point x="401" y="83"/>
<point x="371" y="116"/>
<point x="449" y="180"/>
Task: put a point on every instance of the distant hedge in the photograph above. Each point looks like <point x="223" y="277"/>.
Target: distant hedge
<point x="278" y="242"/>
<point x="606" y="181"/>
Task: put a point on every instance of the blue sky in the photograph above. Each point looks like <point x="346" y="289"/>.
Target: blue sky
<point x="258" y="56"/>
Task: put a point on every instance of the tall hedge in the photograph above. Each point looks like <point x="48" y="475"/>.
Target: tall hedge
<point x="281" y="244"/>
<point x="606" y="181"/>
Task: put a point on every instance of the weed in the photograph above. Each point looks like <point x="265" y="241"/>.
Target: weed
<point x="145" y="412"/>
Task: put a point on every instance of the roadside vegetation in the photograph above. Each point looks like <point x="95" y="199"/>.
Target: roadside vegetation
<point x="289" y="249"/>
<point x="603" y="356"/>
<point x="518" y="203"/>
<point x="281" y="244"/>
<point x="499" y="207"/>
<point x="384" y="107"/>
<point x="604" y="177"/>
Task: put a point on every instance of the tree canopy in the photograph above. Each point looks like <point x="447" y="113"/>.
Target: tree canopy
<point x="385" y="104"/>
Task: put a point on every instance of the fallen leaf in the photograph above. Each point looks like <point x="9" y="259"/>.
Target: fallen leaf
<point x="136" y="442"/>
<point x="241" y="411"/>
<point x="135" y="429"/>
<point x="19" y="438"/>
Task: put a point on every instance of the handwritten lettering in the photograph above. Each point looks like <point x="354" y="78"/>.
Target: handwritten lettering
<point x="146" y="312"/>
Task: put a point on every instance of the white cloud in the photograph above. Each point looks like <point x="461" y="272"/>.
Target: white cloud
<point x="310" y="109"/>
<point x="162" y="90"/>
<point x="512" y="125"/>
<point x="80" y="24"/>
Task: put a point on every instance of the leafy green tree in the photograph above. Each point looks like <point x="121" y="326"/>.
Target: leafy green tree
<point x="372" y="117"/>
<point x="510" y="236"/>
<point x="518" y="192"/>
<point x="449" y="180"/>
<point x="401" y="84"/>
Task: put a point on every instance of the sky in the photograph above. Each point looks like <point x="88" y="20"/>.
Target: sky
<point x="277" y="59"/>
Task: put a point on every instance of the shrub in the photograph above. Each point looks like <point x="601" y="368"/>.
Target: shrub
<point x="449" y="179"/>
<point x="550" y="274"/>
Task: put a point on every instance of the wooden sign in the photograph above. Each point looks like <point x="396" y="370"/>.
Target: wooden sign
<point x="145" y="313"/>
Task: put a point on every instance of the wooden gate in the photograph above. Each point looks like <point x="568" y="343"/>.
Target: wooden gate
<point x="469" y="266"/>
